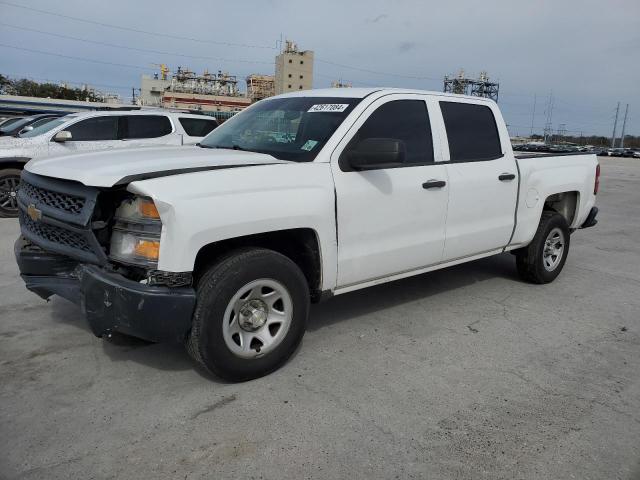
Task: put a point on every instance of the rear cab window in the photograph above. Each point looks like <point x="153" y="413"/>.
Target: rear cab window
<point x="197" y="127"/>
<point x="145" y="126"/>
<point x="472" y="132"/>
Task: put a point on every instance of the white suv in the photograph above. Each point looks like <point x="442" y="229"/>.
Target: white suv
<point x="81" y="132"/>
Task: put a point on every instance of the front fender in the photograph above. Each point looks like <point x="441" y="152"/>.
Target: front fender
<point x="200" y="208"/>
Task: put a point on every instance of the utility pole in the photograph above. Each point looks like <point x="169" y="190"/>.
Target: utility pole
<point x="615" y="126"/>
<point x="133" y="95"/>
<point x="548" y="133"/>
<point x="624" y="125"/>
<point x="533" y="114"/>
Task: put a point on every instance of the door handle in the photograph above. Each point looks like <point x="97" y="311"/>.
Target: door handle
<point x="433" y="184"/>
<point x="506" y="177"/>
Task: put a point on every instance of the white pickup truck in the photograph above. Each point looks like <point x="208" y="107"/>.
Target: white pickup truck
<point x="299" y="197"/>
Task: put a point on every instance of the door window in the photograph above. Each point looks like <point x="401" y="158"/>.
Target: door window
<point x="472" y="132"/>
<point x="94" y="129"/>
<point x="146" y="126"/>
<point x="404" y="120"/>
<point x="196" y="127"/>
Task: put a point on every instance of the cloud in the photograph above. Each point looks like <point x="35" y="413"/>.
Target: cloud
<point x="404" y="47"/>
<point x="378" y="18"/>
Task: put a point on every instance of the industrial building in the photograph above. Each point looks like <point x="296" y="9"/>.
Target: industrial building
<point x="294" y="69"/>
<point x="260" y="86"/>
<point x="218" y="94"/>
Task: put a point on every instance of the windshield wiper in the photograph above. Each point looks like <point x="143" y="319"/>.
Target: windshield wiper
<point x="230" y="147"/>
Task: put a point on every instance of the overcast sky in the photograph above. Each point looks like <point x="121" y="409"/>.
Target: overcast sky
<point x="587" y="53"/>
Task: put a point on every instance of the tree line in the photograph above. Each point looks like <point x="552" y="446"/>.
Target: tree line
<point x="29" y="88"/>
<point x="630" y="141"/>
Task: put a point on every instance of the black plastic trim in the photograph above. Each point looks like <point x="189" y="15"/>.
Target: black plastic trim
<point x="111" y="302"/>
<point x="591" y="218"/>
<point x="179" y="171"/>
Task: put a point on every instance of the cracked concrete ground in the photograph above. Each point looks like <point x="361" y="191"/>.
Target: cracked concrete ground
<point x="461" y="373"/>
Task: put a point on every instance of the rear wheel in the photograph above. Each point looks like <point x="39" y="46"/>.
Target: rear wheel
<point x="250" y="316"/>
<point x="543" y="259"/>
<point x="9" y="181"/>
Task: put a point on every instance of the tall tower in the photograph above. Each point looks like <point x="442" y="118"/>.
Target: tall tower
<point x="294" y="69"/>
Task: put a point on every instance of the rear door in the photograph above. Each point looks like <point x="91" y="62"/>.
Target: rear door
<point x="389" y="221"/>
<point x="483" y="182"/>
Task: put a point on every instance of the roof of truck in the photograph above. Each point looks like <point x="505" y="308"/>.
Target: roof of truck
<point x="364" y="92"/>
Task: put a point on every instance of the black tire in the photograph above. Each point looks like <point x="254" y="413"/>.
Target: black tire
<point x="217" y="287"/>
<point x="531" y="259"/>
<point x="9" y="180"/>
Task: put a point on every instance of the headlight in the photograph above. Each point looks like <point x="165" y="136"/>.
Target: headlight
<point x="136" y="233"/>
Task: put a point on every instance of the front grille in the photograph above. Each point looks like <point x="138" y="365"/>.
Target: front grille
<point x="56" y="215"/>
<point x="51" y="233"/>
<point x="60" y="201"/>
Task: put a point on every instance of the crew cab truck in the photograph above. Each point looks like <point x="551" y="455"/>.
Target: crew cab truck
<point x="299" y="197"/>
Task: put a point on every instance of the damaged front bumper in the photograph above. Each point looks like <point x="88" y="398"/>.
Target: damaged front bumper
<point x="111" y="302"/>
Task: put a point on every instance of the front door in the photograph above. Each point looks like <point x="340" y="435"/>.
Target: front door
<point x="390" y="220"/>
<point x="94" y="133"/>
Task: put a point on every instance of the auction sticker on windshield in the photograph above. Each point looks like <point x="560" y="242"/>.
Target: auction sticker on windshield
<point x="329" y="107"/>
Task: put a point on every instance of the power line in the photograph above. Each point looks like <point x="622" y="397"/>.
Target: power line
<point x="74" y="58"/>
<point x="375" y="72"/>
<point x="126" y="47"/>
<point x="136" y="30"/>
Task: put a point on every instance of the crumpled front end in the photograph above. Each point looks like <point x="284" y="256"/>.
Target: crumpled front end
<point x="63" y="251"/>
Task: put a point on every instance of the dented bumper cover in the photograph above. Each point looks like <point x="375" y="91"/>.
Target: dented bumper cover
<point x="111" y="302"/>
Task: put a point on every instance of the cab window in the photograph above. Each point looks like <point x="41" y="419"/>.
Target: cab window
<point x="404" y="120"/>
<point x="471" y="131"/>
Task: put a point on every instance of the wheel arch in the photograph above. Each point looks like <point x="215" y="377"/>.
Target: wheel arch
<point x="564" y="203"/>
<point x="13" y="162"/>
<point x="301" y="245"/>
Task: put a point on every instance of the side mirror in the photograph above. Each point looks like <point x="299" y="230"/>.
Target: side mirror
<point x="62" y="136"/>
<point x="375" y="153"/>
<point x="26" y="129"/>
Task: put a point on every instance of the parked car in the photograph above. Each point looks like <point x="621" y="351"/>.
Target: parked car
<point x="13" y="128"/>
<point x="33" y="125"/>
<point x="92" y="131"/>
<point x="223" y="246"/>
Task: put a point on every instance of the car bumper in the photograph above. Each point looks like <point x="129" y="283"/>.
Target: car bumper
<point x="591" y="218"/>
<point x="111" y="302"/>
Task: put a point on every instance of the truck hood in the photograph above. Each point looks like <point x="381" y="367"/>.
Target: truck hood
<point x="106" y="168"/>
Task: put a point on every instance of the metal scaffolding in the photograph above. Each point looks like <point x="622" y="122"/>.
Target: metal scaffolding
<point x="480" y="87"/>
<point x="260" y="86"/>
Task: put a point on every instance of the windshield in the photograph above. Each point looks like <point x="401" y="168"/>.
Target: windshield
<point x="11" y="121"/>
<point x="293" y="128"/>
<point x="46" y="125"/>
<point x="13" y="125"/>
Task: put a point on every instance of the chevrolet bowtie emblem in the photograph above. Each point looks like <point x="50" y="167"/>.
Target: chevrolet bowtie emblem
<point x="34" y="213"/>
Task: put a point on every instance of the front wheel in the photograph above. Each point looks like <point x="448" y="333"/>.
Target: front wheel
<point x="251" y="314"/>
<point x="543" y="259"/>
<point x="9" y="180"/>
